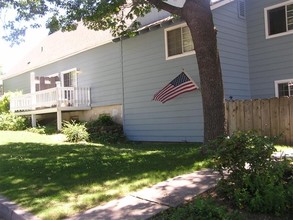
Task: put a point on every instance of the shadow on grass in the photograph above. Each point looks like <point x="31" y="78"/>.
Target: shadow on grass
<point x="76" y="177"/>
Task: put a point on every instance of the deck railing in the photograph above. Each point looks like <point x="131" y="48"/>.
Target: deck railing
<point x="50" y="98"/>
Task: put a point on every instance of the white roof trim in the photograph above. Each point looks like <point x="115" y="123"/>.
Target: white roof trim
<point x="220" y="4"/>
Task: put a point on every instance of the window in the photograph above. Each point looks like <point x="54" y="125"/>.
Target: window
<point x="69" y="78"/>
<point x="241" y="9"/>
<point x="284" y="87"/>
<point x="279" y="20"/>
<point x="178" y="42"/>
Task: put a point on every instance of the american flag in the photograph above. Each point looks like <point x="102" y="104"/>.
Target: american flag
<point x="181" y="84"/>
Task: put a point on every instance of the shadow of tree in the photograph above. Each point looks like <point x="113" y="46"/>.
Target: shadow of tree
<point x="44" y="176"/>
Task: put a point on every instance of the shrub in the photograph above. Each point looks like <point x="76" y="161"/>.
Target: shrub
<point x="104" y="129"/>
<point x="75" y="132"/>
<point x="255" y="180"/>
<point x="38" y="130"/>
<point x="12" y="122"/>
<point x="204" y="209"/>
<point x="5" y="101"/>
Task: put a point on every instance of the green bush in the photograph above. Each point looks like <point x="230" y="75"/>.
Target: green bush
<point x="255" y="180"/>
<point x="199" y="209"/>
<point x="5" y="101"/>
<point x="38" y="130"/>
<point x="12" y="122"/>
<point x="104" y="129"/>
<point x="75" y="132"/>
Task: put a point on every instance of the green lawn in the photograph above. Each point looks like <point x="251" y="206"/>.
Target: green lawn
<point x="54" y="179"/>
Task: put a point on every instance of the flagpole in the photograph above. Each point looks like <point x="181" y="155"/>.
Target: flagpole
<point x="190" y="78"/>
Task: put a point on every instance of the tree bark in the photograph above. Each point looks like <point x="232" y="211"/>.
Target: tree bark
<point x="198" y="16"/>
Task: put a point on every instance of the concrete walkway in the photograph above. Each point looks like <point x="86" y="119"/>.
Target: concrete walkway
<point x="11" y="211"/>
<point x="150" y="201"/>
<point x="138" y="205"/>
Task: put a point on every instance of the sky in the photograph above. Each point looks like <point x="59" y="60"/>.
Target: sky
<point x="10" y="55"/>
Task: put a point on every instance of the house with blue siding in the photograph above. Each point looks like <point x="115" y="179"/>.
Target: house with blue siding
<point x="83" y="73"/>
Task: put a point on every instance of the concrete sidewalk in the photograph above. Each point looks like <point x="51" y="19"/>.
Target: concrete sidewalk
<point x="11" y="211"/>
<point x="138" y="205"/>
<point x="150" y="201"/>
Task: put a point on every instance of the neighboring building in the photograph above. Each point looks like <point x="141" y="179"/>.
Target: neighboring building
<point x="256" y="48"/>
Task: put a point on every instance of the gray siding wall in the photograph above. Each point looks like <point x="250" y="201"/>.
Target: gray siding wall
<point x="18" y="83"/>
<point x="100" y="69"/>
<point x="146" y="71"/>
<point x="270" y="59"/>
<point x="233" y="47"/>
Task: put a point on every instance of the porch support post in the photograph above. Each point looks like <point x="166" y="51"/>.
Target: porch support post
<point x="33" y="89"/>
<point x="34" y="120"/>
<point x="59" y="119"/>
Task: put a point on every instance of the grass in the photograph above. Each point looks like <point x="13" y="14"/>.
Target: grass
<point x="53" y="179"/>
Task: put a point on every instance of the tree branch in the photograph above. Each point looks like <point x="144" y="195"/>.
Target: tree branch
<point x="160" y="4"/>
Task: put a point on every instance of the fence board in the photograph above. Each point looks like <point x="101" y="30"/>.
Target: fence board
<point x="240" y="115"/>
<point x="248" y="117"/>
<point x="284" y="120"/>
<point x="269" y="117"/>
<point x="274" y="111"/>
<point x="256" y="112"/>
<point x="291" y="119"/>
<point x="232" y="117"/>
<point x="265" y="121"/>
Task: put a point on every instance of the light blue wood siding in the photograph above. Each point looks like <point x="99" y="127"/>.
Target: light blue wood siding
<point x="100" y="69"/>
<point x="232" y="44"/>
<point x="270" y="59"/>
<point x="146" y="71"/>
<point x="18" y="83"/>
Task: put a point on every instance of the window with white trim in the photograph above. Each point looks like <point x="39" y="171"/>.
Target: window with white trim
<point x="178" y="42"/>
<point x="69" y="78"/>
<point x="279" y="19"/>
<point x="284" y="87"/>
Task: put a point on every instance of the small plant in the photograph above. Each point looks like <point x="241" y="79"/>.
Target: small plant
<point x="5" y="101"/>
<point x="105" y="119"/>
<point x="204" y="209"/>
<point x="104" y="129"/>
<point x="12" y="122"/>
<point x="75" y="132"/>
<point x="39" y="129"/>
<point x="255" y="181"/>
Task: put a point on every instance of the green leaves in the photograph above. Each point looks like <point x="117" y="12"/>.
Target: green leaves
<point x="75" y="132"/>
<point x="255" y="181"/>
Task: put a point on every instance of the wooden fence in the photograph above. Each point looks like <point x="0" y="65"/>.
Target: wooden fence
<point x="268" y="117"/>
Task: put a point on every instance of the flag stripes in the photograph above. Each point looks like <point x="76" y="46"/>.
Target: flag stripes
<point x="181" y="84"/>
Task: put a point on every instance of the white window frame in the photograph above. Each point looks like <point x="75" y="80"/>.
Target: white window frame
<point x="166" y="43"/>
<point x="69" y="71"/>
<point x="277" y="82"/>
<point x="289" y="2"/>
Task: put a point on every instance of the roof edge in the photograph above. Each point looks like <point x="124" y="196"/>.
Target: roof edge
<point x="5" y="77"/>
<point x="220" y="4"/>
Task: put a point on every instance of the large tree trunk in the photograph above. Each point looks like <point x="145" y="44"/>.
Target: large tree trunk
<point x="198" y="16"/>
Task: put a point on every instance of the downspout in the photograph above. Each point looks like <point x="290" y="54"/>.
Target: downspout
<point x="122" y="80"/>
